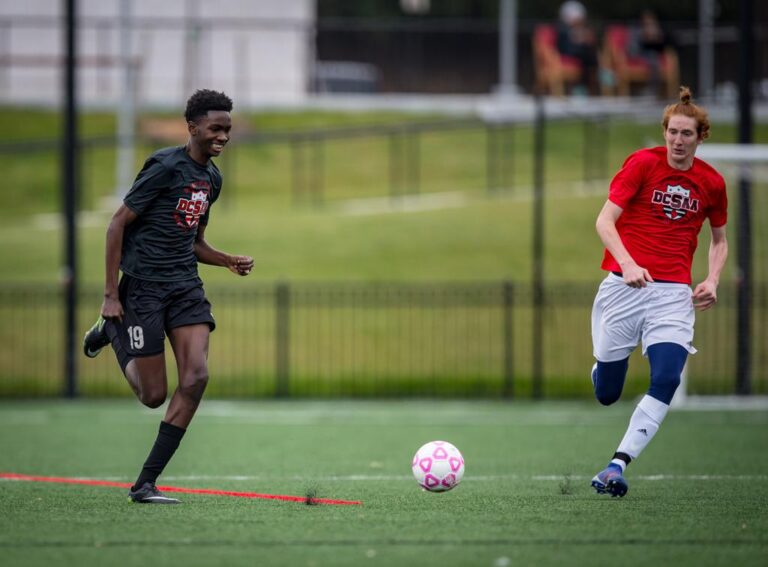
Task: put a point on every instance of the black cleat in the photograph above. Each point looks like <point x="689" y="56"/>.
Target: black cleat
<point x="148" y="493"/>
<point x="95" y="339"/>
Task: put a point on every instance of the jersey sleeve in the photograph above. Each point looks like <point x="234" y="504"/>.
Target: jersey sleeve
<point x="718" y="212"/>
<point x="627" y="181"/>
<point x="153" y="178"/>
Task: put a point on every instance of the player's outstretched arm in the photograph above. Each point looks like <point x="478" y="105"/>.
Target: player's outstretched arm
<point x="634" y="275"/>
<point x="705" y="294"/>
<point x="111" y="308"/>
<point x="207" y="254"/>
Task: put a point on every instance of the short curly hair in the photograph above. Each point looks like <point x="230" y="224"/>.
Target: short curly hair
<point x="204" y="100"/>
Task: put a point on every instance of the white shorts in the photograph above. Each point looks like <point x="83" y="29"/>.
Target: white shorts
<point x="623" y="316"/>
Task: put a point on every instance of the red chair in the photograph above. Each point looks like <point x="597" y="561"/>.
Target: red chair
<point x="628" y="70"/>
<point x="553" y="70"/>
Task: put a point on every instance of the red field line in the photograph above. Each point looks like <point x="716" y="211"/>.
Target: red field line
<point x="89" y="482"/>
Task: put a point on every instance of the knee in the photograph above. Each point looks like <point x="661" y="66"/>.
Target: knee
<point x="607" y="398"/>
<point x="664" y="384"/>
<point x="667" y="380"/>
<point x="153" y="398"/>
<point x="194" y="382"/>
<point x="667" y="363"/>
<point x="609" y="381"/>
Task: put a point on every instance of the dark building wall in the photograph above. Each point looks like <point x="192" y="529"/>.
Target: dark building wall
<point x="461" y="56"/>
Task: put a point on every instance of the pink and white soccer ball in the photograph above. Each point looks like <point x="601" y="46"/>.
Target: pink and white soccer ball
<point x="438" y="466"/>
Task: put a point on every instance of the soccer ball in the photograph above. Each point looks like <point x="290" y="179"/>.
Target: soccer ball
<point x="438" y="466"/>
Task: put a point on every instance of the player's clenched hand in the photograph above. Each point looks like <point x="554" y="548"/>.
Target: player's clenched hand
<point x="112" y="309"/>
<point x="634" y="275"/>
<point x="240" y="265"/>
<point x="704" y="295"/>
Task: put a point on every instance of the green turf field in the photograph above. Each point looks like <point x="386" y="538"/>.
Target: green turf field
<point x="697" y="495"/>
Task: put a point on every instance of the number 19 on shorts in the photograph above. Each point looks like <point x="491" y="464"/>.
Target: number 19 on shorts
<point x="136" y="336"/>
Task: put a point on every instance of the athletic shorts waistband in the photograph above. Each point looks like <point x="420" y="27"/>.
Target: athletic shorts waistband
<point x="663" y="282"/>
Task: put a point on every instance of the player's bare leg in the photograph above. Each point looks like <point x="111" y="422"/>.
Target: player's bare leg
<point x="147" y="375"/>
<point x="147" y="378"/>
<point x="190" y="346"/>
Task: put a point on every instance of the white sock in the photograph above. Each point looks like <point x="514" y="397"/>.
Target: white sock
<point x="622" y="465"/>
<point x="643" y="425"/>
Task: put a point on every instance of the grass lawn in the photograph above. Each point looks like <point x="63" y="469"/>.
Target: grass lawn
<point x="483" y="239"/>
<point x="454" y="232"/>
<point x="468" y="235"/>
<point x="525" y="498"/>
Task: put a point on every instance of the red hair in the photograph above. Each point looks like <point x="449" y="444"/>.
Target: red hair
<point x="686" y="108"/>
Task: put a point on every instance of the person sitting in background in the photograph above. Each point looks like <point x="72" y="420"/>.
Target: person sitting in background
<point x="648" y="41"/>
<point x="575" y="38"/>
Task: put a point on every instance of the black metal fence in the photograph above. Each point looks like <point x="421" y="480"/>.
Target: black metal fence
<point x="364" y="340"/>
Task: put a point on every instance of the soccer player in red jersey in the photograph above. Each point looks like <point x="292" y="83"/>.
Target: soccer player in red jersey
<point x="649" y="225"/>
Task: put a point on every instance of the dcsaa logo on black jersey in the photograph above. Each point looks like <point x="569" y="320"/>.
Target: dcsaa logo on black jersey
<point x="189" y="209"/>
<point x="676" y="201"/>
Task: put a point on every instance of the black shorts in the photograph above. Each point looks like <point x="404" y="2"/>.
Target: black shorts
<point x="154" y="308"/>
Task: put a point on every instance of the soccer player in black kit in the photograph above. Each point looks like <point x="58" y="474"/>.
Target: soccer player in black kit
<point x="156" y="238"/>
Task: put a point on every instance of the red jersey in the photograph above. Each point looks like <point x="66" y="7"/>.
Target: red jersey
<point x="663" y="211"/>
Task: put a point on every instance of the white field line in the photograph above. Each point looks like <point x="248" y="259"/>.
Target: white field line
<point x="442" y="413"/>
<point x="409" y="478"/>
<point x="364" y="413"/>
<point x="448" y="419"/>
<point x="405" y="204"/>
<point x="423" y="201"/>
<point x="452" y="199"/>
<point x="414" y="203"/>
<point x="520" y="193"/>
<point x="448" y="414"/>
<point x="724" y="403"/>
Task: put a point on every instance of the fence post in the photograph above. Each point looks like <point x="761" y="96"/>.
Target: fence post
<point x="508" y="303"/>
<point x="394" y="164"/>
<point x="70" y="151"/>
<point x="491" y="166"/>
<point x="413" y="159"/>
<point x="586" y="154"/>
<point x="745" y="236"/>
<point x="499" y="140"/>
<point x="297" y="167"/>
<point x="539" y="149"/>
<point x="282" y="337"/>
<point x="507" y="157"/>
<point x="318" y="171"/>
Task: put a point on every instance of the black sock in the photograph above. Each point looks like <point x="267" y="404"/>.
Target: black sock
<point x="114" y="338"/>
<point x="168" y="439"/>
<point x="623" y="456"/>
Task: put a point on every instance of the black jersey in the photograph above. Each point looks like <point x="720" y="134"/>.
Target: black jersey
<point x="172" y="196"/>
